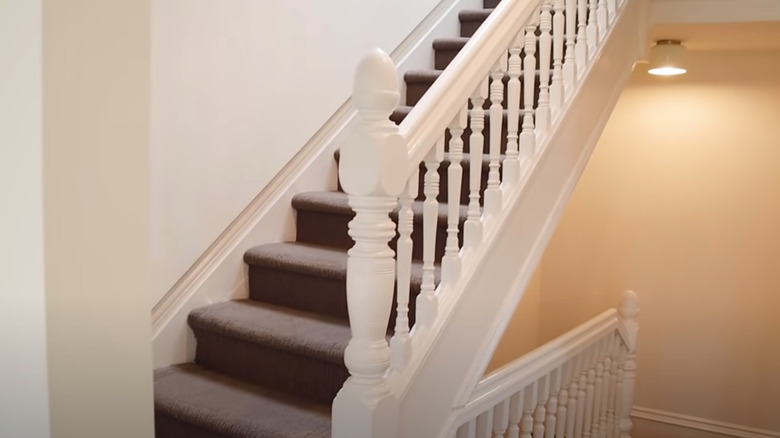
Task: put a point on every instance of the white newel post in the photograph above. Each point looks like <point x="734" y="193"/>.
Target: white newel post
<point x="629" y="309"/>
<point x="372" y="172"/>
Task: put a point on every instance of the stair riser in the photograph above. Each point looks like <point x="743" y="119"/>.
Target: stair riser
<point x="488" y="4"/>
<point x="468" y="28"/>
<point x="415" y="91"/>
<point x="443" y="58"/>
<point x="312" y="378"/>
<point x="167" y="426"/>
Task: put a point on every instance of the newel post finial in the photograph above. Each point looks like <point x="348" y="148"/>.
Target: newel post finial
<point x="629" y="309"/>
<point x="372" y="171"/>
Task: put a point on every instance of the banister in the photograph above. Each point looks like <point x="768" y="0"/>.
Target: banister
<point x="445" y="98"/>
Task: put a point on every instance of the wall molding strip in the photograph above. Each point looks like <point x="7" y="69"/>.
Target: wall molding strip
<point x="691" y="422"/>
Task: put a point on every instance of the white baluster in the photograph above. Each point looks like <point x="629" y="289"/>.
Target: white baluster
<point x="540" y="415"/>
<point x="606" y="401"/>
<point x="629" y="310"/>
<point x="492" y="192"/>
<point x="545" y="45"/>
<point x="472" y="229"/>
<point x="569" y="60"/>
<point x="427" y="301"/>
<point x="515" y="414"/>
<point x="563" y="401"/>
<point x="552" y="404"/>
<point x="512" y="160"/>
<point x="601" y="16"/>
<point x="598" y="387"/>
<point x="485" y="424"/>
<point x="400" y="344"/>
<point x="619" y="393"/>
<point x="467" y="430"/>
<point x="527" y="137"/>
<point x="450" y="266"/>
<point x="611" y="9"/>
<point x="529" y="402"/>
<point x="556" y="89"/>
<point x="582" y="397"/>
<point x="614" y="352"/>
<point x="592" y="29"/>
<point x="590" y="396"/>
<point x="369" y="174"/>
<point x="581" y="47"/>
<point x="500" y="419"/>
<point x="571" y="415"/>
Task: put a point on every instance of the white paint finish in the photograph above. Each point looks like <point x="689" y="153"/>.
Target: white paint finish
<point x="238" y="88"/>
<point x="24" y="396"/>
<point x="681" y="201"/>
<point x="220" y="273"/>
<point x="713" y="11"/>
<point x="702" y="426"/>
<point x="96" y="205"/>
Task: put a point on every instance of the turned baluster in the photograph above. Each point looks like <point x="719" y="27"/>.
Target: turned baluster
<point x="629" y="310"/>
<point x="598" y="390"/>
<point x="500" y="419"/>
<point x="540" y="414"/>
<point x="592" y="33"/>
<point x="450" y="268"/>
<point x="515" y="414"/>
<point x="556" y="89"/>
<point x="492" y="192"/>
<point x="571" y="414"/>
<point x="369" y="173"/>
<point x="614" y="352"/>
<point x="590" y="392"/>
<point x="427" y="301"/>
<point x="601" y="16"/>
<point x="529" y="402"/>
<point x="527" y="137"/>
<point x="563" y="401"/>
<point x="581" y="46"/>
<point x="611" y="9"/>
<point x="400" y="344"/>
<point x="514" y="70"/>
<point x="545" y="45"/>
<point x="582" y="385"/>
<point x="552" y="404"/>
<point x="485" y="424"/>
<point x="569" y="60"/>
<point x="472" y="229"/>
<point x="606" y="386"/>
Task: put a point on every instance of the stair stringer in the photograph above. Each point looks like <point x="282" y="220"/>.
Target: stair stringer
<point x="469" y="332"/>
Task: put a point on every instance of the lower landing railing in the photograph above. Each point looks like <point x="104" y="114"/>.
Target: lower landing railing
<point x="580" y="385"/>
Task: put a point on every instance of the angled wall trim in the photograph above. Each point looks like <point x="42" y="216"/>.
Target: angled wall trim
<point x="697" y="423"/>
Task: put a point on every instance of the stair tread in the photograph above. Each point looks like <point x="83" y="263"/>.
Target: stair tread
<point x="193" y="394"/>
<point x="279" y="327"/>
<point x="450" y="43"/>
<point x="337" y="203"/>
<point x="474" y="14"/>
<point x="414" y="76"/>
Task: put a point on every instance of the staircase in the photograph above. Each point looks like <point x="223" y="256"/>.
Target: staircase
<point x="271" y="365"/>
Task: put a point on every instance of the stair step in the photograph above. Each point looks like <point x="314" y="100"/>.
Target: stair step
<point x="310" y="278"/>
<point x="322" y="219"/>
<point x="419" y="81"/>
<point x="490" y="3"/>
<point x="280" y="348"/>
<point x="194" y="402"/>
<point x="445" y="50"/>
<point x="471" y="19"/>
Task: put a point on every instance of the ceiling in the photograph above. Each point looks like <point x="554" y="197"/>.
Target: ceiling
<point x="720" y="36"/>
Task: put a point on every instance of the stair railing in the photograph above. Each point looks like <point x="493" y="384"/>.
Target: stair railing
<point x="578" y="385"/>
<point x="379" y="168"/>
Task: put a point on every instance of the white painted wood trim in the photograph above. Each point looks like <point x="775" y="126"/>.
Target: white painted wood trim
<point x="703" y="424"/>
<point x="219" y="273"/>
<point x="713" y="11"/>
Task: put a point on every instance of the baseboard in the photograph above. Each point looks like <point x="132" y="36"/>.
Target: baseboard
<point x="219" y="273"/>
<point x="702" y="424"/>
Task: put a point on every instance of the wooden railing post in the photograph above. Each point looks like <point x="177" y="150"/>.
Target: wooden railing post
<point x="369" y="174"/>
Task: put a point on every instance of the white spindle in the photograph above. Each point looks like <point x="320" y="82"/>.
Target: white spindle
<point x="552" y="404"/>
<point x="515" y="414"/>
<point x="581" y="47"/>
<point x="467" y="430"/>
<point x="611" y="9"/>
<point x="563" y="401"/>
<point x="450" y="269"/>
<point x="607" y="387"/>
<point x="485" y="424"/>
<point x="427" y="301"/>
<point x="529" y="402"/>
<point x="545" y="45"/>
<point x="619" y="393"/>
<point x="556" y="89"/>
<point x="540" y="414"/>
<point x="590" y="397"/>
<point x="629" y="310"/>
<point x="614" y="352"/>
<point x="598" y="391"/>
<point x="582" y="384"/>
<point x="527" y="137"/>
<point x="400" y="344"/>
<point x="569" y="60"/>
<point x="365" y="398"/>
<point x="592" y="33"/>
<point x="500" y="419"/>
<point x="492" y="192"/>
<point x="601" y="16"/>
<point x="514" y="70"/>
<point x="472" y="229"/>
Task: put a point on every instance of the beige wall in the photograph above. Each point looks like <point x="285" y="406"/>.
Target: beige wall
<point x="96" y="207"/>
<point x="681" y="202"/>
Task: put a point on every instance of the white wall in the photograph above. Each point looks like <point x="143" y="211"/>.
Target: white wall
<point x="681" y="202"/>
<point x="96" y="205"/>
<point x="238" y="87"/>
<point x="24" y="399"/>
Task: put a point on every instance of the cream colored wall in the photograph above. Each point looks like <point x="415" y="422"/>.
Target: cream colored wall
<point x="681" y="202"/>
<point x="522" y="333"/>
<point x="96" y="223"/>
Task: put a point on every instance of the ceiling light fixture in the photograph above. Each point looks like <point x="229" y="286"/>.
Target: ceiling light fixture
<point x="667" y="58"/>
